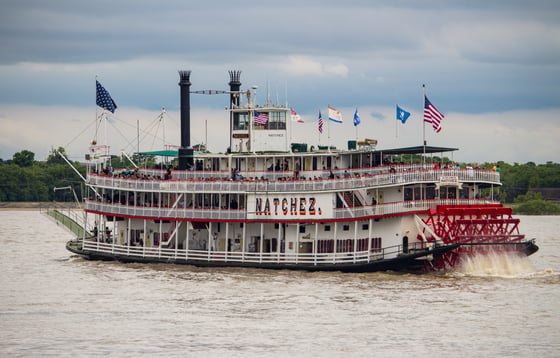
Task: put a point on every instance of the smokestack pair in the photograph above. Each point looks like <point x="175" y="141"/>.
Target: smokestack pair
<point x="186" y="160"/>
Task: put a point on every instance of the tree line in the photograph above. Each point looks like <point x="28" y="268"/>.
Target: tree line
<point x="24" y="179"/>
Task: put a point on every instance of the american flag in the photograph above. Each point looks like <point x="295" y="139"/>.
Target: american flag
<point x="261" y="118"/>
<point x="432" y="115"/>
<point x="320" y="124"/>
<point x="103" y="98"/>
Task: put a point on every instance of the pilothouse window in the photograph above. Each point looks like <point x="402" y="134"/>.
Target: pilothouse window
<point x="277" y="120"/>
<point x="241" y="121"/>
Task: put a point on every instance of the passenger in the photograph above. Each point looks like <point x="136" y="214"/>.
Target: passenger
<point x="167" y="175"/>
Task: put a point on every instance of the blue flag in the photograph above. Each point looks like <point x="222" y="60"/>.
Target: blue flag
<point x="402" y="115"/>
<point x="356" y="118"/>
<point x="103" y="98"/>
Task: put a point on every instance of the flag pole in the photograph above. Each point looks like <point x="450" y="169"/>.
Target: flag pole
<point x="356" y="124"/>
<point x="96" y="112"/>
<point x="328" y="129"/>
<point x="396" y="126"/>
<point x="289" y="123"/>
<point x="423" y="120"/>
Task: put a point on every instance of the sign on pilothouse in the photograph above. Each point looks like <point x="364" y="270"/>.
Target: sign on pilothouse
<point x="289" y="206"/>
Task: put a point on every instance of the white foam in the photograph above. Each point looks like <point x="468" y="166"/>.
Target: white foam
<point x="495" y="264"/>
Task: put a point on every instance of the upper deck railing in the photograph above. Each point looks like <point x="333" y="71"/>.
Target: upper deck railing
<point x="353" y="179"/>
<point x="220" y="214"/>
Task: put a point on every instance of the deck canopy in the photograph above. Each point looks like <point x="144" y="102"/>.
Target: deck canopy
<point x="162" y="153"/>
<point x="416" y="150"/>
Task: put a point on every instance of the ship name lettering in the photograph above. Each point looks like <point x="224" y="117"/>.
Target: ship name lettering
<point x="287" y="206"/>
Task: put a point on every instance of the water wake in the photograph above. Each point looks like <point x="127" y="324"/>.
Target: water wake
<point x="496" y="264"/>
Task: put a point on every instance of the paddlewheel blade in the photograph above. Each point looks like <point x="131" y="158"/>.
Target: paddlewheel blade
<point x="479" y="230"/>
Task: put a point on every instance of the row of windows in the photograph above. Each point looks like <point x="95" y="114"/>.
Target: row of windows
<point x="328" y="228"/>
<point x="276" y="120"/>
<point x="347" y="245"/>
<point x="302" y="228"/>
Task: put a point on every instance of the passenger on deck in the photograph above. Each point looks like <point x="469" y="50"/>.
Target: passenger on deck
<point x="236" y="245"/>
<point x="167" y="175"/>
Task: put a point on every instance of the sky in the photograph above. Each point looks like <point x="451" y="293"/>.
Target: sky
<point x="491" y="67"/>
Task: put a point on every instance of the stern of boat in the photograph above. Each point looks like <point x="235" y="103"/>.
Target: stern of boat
<point x="477" y="230"/>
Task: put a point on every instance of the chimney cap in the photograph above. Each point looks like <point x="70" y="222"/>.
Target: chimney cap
<point x="234" y="77"/>
<point x="184" y="76"/>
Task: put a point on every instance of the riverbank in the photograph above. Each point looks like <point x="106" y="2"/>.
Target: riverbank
<point x="35" y="205"/>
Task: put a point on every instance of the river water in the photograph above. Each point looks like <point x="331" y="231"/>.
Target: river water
<point x="55" y="304"/>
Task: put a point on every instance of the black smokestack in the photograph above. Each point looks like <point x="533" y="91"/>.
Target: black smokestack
<point x="186" y="151"/>
<point x="234" y="87"/>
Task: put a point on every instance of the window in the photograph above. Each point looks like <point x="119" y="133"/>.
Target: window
<point x="327" y="228"/>
<point x="276" y="120"/>
<point x="240" y="121"/>
<point x="345" y="227"/>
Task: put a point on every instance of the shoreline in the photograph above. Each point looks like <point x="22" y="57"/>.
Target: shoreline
<point x="36" y="205"/>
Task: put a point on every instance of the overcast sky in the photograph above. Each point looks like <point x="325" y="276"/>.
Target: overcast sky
<point x="492" y="67"/>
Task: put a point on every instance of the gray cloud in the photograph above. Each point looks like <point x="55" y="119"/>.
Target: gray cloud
<point x="474" y="56"/>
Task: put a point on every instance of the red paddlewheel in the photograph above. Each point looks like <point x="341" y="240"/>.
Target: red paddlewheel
<point x="481" y="229"/>
<point x="444" y="262"/>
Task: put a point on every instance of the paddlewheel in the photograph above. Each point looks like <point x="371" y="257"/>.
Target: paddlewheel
<point x="479" y="230"/>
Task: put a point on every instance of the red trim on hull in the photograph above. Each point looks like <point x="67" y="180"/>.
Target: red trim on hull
<point x="261" y="221"/>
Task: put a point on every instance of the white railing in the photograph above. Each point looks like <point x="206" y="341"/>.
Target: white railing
<point x="172" y="213"/>
<point x="401" y="207"/>
<point x="275" y="174"/>
<point x="241" y="214"/>
<point x="363" y="180"/>
<point x="166" y="254"/>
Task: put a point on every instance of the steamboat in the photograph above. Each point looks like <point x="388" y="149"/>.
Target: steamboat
<point x="268" y="203"/>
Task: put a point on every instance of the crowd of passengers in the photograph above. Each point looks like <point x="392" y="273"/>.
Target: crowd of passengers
<point x="282" y="168"/>
<point x="134" y="174"/>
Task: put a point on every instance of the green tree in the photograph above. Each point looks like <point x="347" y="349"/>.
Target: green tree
<point x="55" y="158"/>
<point x="537" y="207"/>
<point x="25" y="158"/>
<point x="529" y="196"/>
